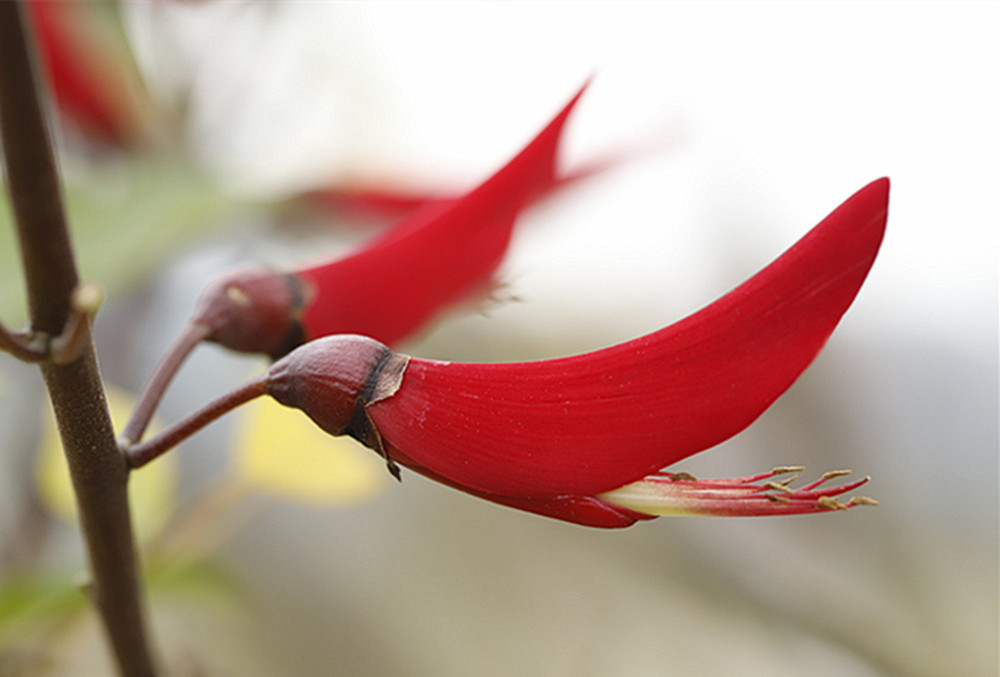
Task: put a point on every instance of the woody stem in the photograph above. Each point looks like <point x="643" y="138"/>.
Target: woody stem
<point x="98" y="471"/>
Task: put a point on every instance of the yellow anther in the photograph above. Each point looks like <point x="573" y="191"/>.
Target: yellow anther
<point x="779" y="487"/>
<point x="785" y="469"/>
<point x="830" y="503"/>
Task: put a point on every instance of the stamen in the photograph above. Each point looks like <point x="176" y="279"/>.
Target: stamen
<point x="825" y="477"/>
<point x="777" y="486"/>
<point x="665" y="493"/>
<point x="831" y="503"/>
<point x="785" y="469"/>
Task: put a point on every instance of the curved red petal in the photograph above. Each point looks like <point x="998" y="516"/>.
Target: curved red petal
<point x="582" y="425"/>
<point x="373" y="202"/>
<point x="377" y="202"/>
<point x="434" y="257"/>
<point x="586" y="510"/>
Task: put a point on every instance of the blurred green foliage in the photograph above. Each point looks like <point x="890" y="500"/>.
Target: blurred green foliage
<point x="126" y="217"/>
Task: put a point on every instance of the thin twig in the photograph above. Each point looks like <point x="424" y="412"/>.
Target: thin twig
<point x="21" y="345"/>
<point x="98" y="470"/>
<point x="152" y="392"/>
<point x="140" y="454"/>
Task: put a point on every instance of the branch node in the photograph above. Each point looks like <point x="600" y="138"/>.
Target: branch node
<point x="23" y="345"/>
<point x="37" y="346"/>
<point x="84" y="303"/>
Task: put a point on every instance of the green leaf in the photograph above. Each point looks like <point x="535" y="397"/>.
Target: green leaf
<point x="30" y="599"/>
<point x="199" y="580"/>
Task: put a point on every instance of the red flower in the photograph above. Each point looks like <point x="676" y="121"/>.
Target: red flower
<point x="395" y="283"/>
<point x="388" y="289"/>
<point x="374" y="202"/>
<point x="583" y="438"/>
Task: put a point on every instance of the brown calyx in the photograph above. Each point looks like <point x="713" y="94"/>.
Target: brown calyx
<point x="325" y="378"/>
<point x="254" y="310"/>
<point x="334" y="379"/>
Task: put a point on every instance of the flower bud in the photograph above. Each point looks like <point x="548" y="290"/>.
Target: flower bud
<point x="329" y="379"/>
<point x="253" y="309"/>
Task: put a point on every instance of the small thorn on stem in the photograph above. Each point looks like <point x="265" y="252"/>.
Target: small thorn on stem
<point x="66" y="347"/>
<point x="87" y="298"/>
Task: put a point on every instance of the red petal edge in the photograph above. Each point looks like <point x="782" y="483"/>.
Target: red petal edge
<point x="433" y="257"/>
<point x="586" y="510"/>
<point x="574" y="427"/>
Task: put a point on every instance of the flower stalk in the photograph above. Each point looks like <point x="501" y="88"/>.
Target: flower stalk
<point x="156" y="386"/>
<point x="139" y="454"/>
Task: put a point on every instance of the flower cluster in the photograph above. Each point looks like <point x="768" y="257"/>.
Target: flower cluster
<point x="581" y="439"/>
<point x="584" y="438"/>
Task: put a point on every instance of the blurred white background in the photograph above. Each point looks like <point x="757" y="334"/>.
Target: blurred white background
<point x="754" y="120"/>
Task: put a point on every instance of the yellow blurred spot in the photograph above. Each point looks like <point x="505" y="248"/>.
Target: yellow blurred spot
<point x="151" y="489"/>
<point x="280" y="451"/>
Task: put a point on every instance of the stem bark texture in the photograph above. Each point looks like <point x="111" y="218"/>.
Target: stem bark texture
<point x="98" y="469"/>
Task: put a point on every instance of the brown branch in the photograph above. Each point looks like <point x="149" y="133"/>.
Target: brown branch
<point x="99" y="471"/>
<point x="20" y="345"/>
